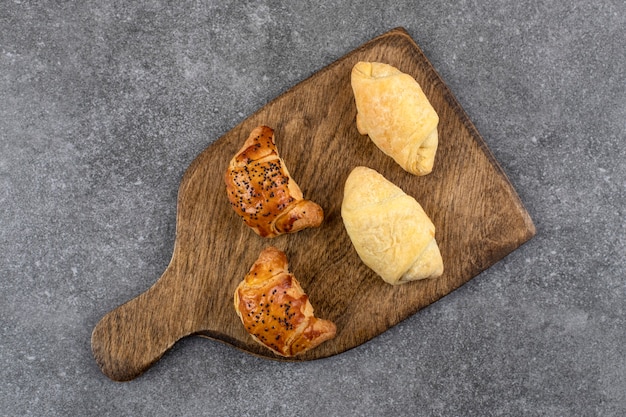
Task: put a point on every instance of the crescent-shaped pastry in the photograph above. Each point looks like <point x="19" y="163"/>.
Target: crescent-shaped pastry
<point x="394" y="111"/>
<point x="275" y="310"/>
<point x="262" y="192"/>
<point x="389" y="229"/>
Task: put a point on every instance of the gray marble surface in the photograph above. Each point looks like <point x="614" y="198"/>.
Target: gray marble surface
<point x="104" y="104"/>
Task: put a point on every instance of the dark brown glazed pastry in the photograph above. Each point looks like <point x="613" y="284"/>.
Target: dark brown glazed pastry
<point x="275" y="310"/>
<point x="262" y="192"/>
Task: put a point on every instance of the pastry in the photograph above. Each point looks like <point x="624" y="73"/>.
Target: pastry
<point x="275" y="310"/>
<point x="394" y="112"/>
<point x="262" y="192"/>
<point x="389" y="229"/>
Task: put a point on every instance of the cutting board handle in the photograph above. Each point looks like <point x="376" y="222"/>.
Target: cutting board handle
<point x="129" y="339"/>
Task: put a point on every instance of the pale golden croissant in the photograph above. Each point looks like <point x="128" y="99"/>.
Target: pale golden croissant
<point x="275" y="310"/>
<point x="393" y="110"/>
<point x="262" y="192"/>
<point x="389" y="229"/>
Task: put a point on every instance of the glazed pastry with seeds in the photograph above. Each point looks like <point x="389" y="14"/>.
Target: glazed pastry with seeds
<point x="275" y="310"/>
<point x="263" y="193"/>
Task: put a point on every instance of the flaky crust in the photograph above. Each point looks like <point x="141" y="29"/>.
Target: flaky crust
<point x="262" y="192"/>
<point x="394" y="112"/>
<point x="275" y="310"/>
<point x="389" y="229"/>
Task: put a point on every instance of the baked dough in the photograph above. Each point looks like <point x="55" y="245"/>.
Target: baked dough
<point x="262" y="192"/>
<point x="275" y="310"/>
<point x="393" y="110"/>
<point x="389" y="229"/>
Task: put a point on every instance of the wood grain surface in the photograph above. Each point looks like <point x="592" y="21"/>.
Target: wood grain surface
<point x="479" y="219"/>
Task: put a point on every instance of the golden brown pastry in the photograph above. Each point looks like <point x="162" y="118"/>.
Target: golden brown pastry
<point x="263" y="193"/>
<point x="393" y="110"/>
<point x="275" y="310"/>
<point x="389" y="229"/>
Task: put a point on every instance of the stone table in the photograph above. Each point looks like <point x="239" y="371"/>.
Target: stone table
<point x="104" y="104"/>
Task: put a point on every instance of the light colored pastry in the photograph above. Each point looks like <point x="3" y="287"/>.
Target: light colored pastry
<point x="393" y="110"/>
<point x="275" y="310"/>
<point x="262" y="192"/>
<point x="389" y="229"/>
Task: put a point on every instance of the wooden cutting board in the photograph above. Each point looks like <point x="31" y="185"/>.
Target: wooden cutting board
<point x="479" y="219"/>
